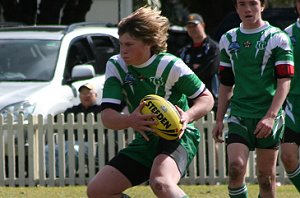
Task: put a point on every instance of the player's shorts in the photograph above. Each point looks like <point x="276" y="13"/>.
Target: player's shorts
<point x="292" y="118"/>
<point x="291" y="136"/>
<point x="241" y="130"/>
<point x="138" y="173"/>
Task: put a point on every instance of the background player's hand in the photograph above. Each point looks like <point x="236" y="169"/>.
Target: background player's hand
<point x="217" y="132"/>
<point x="264" y="127"/>
<point x="140" y="122"/>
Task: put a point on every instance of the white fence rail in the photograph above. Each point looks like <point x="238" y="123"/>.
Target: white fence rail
<point x="23" y="145"/>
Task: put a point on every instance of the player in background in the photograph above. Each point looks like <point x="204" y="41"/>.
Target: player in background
<point x="140" y="69"/>
<point x="255" y="72"/>
<point x="291" y="139"/>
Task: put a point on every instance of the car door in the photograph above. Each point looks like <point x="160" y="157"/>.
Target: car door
<point x="103" y="47"/>
<point x="91" y="50"/>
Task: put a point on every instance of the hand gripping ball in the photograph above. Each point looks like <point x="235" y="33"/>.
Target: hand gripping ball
<point x="168" y="118"/>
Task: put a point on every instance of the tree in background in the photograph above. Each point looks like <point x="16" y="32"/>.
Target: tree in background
<point x="47" y="12"/>
<point x="213" y="11"/>
<point x="175" y="10"/>
<point x="73" y="11"/>
<point x="23" y="11"/>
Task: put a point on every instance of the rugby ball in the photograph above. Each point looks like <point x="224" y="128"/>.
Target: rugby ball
<point x="168" y="118"/>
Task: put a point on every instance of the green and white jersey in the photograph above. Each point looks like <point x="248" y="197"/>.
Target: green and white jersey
<point x="257" y="57"/>
<point x="294" y="32"/>
<point x="163" y="74"/>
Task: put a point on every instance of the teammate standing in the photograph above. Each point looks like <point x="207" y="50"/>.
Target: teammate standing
<point x="291" y="139"/>
<point x="143" y="68"/>
<point x="255" y="70"/>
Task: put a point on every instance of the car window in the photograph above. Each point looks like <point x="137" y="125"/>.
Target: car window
<point x="79" y="53"/>
<point x="28" y="59"/>
<point x="104" y="47"/>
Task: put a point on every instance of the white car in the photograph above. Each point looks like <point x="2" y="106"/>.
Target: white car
<point x="42" y="67"/>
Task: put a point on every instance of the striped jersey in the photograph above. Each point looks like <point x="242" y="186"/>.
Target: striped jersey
<point x="294" y="32"/>
<point x="163" y="74"/>
<point x="257" y="57"/>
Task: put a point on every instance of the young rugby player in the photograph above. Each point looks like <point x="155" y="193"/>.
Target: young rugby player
<point x="291" y="139"/>
<point x="143" y="68"/>
<point x="255" y="73"/>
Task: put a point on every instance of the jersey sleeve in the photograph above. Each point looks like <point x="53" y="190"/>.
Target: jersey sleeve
<point x="188" y="82"/>
<point x="112" y="90"/>
<point x="224" y="51"/>
<point x="283" y="53"/>
<point x="225" y="72"/>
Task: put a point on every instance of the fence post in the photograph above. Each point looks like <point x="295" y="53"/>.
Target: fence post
<point x="40" y="149"/>
<point x="61" y="151"/>
<point x="2" y="153"/>
<point x="50" y="160"/>
<point x="81" y="160"/>
<point x="31" y="150"/>
<point x="101" y="143"/>
<point x="11" y="150"/>
<point x="21" y="149"/>
<point x="36" y="147"/>
<point x="201" y="151"/>
<point x="91" y="146"/>
<point x="70" y="157"/>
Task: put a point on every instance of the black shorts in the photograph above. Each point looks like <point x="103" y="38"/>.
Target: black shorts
<point x="235" y="138"/>
<point x="290" y="136"/>
<point x="137" y="173"/>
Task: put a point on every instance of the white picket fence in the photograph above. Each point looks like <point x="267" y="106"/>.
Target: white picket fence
<point x="22" y="152"/>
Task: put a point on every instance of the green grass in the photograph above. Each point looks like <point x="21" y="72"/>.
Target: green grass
<point x="201" y="191"/>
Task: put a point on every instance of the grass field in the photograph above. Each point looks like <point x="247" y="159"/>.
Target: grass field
<point x="201" y="191"/>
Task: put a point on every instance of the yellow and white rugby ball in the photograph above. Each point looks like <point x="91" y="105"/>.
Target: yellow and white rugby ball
<point x="168" y="118"/>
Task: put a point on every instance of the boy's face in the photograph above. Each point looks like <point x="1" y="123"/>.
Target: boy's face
<point x="134" y="51"/>
<point x="250" y="12"/>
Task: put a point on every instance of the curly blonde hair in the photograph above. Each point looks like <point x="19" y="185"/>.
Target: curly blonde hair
<point x="148" y="25"/>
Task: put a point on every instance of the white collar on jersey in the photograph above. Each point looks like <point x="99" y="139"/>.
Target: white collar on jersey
<point x="255" y="30"/>
<point x="148" y="62"/>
